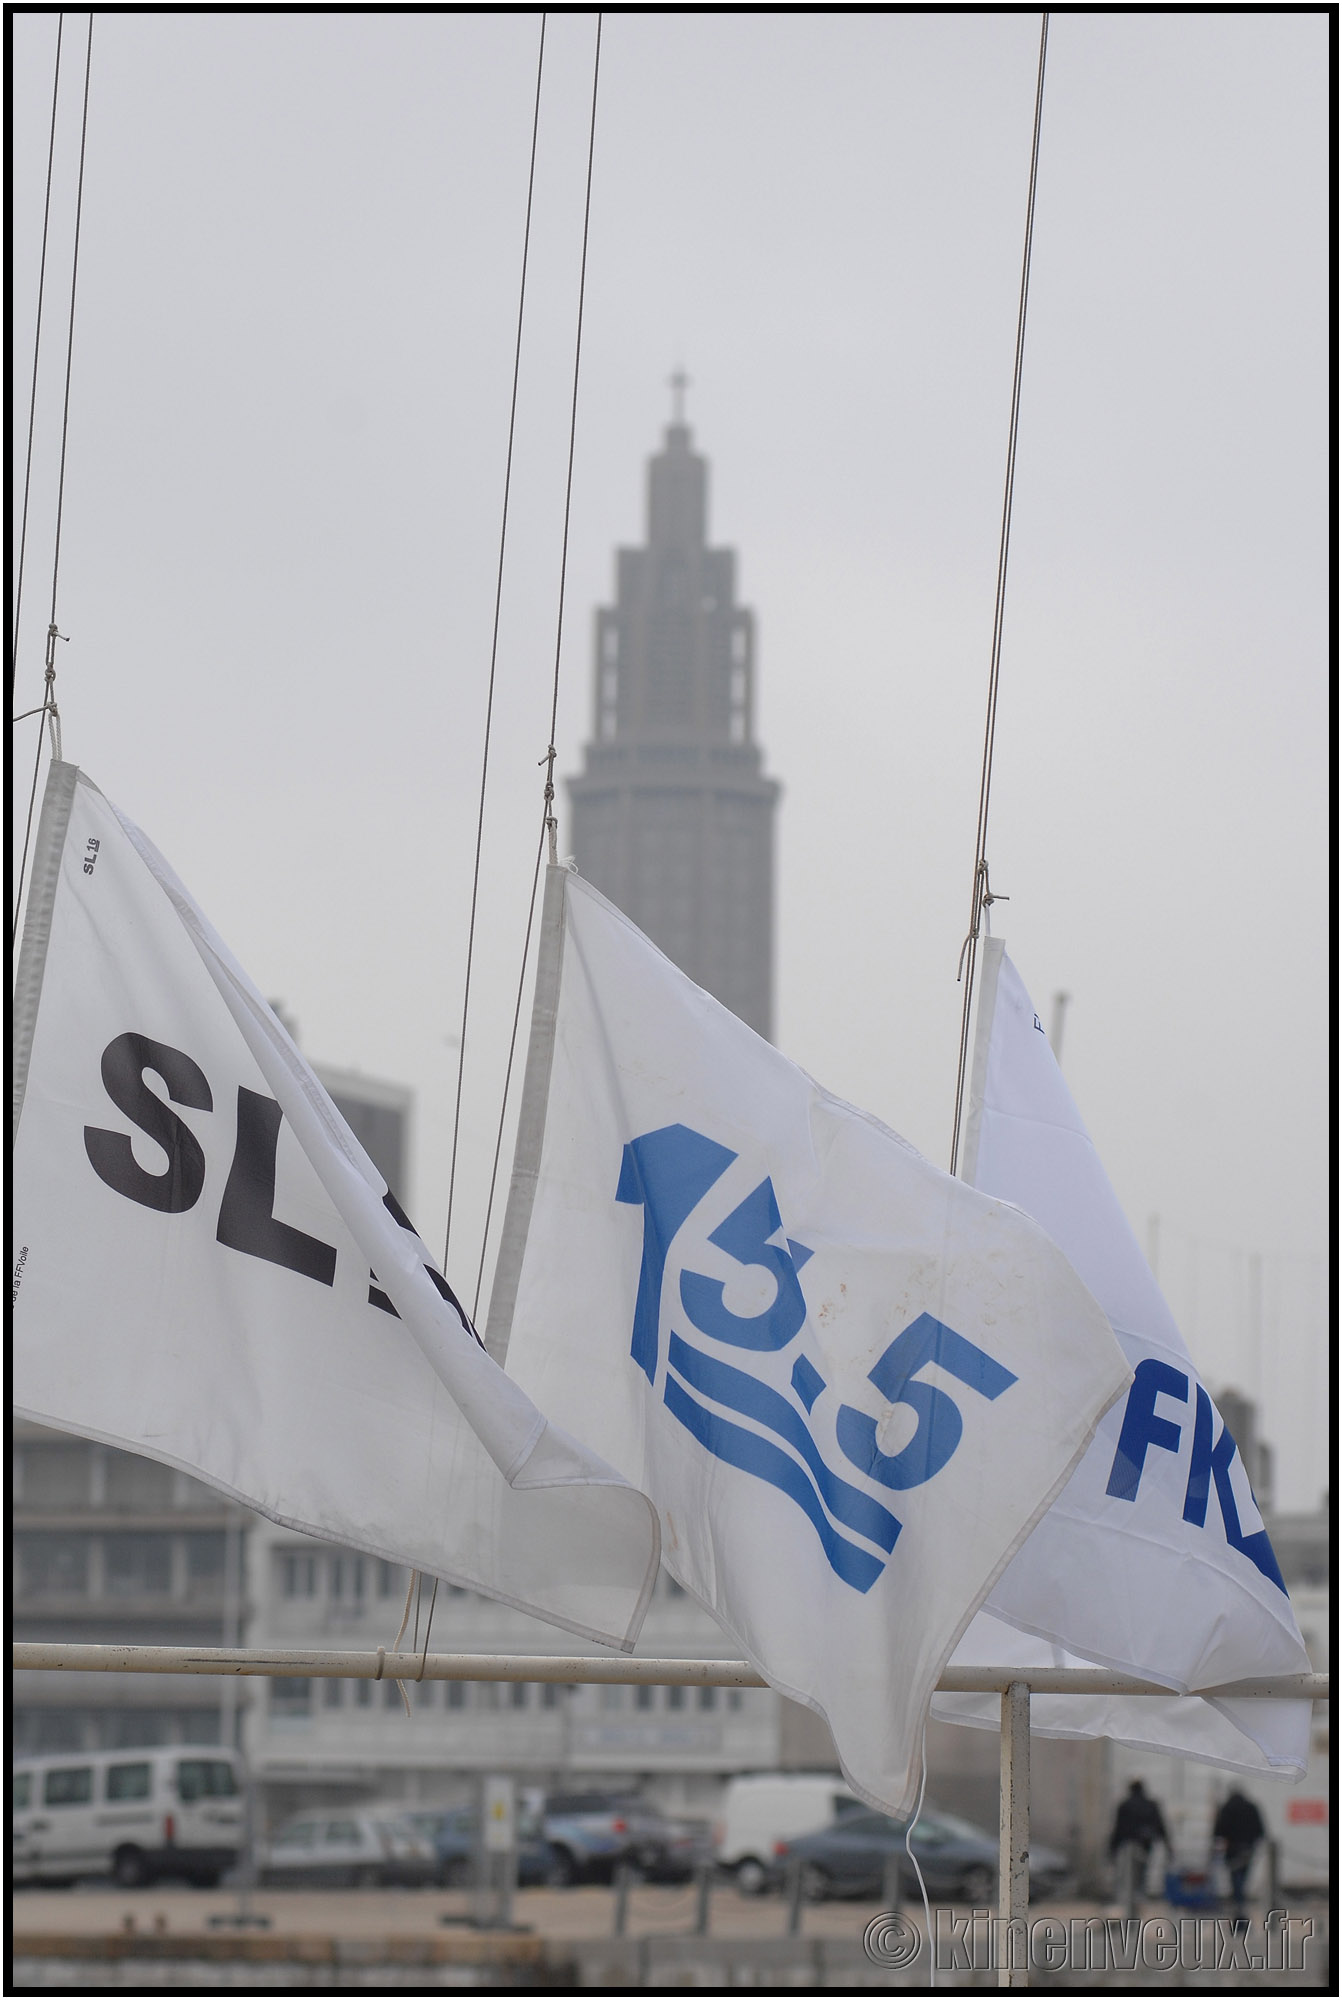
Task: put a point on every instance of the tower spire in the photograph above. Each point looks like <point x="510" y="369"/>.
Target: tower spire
<point x="672" y="815"/>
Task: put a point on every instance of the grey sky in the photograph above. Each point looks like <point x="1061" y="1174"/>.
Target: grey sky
<point x="298" y="273"/>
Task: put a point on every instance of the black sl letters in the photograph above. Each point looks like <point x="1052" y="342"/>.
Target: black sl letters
<point x="124" y="1062"/>
<point x="377" y="1297"/>
<point x="247" y="1218"/>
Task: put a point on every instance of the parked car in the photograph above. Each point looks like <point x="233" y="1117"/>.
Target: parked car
<point x="454" y="1834"/>
<point x="139" y="1815"/>
<point x="764" y="1808"/>
<point x="956" y="1858"/>
<point x="681" y="1846"/>
<point x="349" y="1849"/>
<point x="591" y="1834"/>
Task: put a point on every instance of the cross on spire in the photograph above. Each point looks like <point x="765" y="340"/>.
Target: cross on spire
<point x="680" y="382"/>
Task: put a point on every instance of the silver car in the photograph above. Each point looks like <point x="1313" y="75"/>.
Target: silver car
<point x="349" y="1849"/>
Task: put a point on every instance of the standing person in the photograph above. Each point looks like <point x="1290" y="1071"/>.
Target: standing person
<point x="1237" y="1831"/>
<point x="1139" y="1825"/>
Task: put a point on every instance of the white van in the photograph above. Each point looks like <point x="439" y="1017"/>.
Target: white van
<point x="138" y="1815"/>
<point x="761" y="1811"/>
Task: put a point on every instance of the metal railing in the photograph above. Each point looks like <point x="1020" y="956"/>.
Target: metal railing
<point x="1014" y="1685"/>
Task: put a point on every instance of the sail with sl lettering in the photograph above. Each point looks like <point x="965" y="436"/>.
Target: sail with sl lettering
<point x="210" y="1270"/>
<point x="850" y="1383"/>
<point x="1153" y="1559"/>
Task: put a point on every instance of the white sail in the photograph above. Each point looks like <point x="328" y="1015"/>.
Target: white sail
<point x="849" y="1382"/>
<point x="211" y="1271"/>
<point x="1153" y="1560"/>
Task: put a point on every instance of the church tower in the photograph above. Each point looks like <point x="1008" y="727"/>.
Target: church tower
<point x="672" y="817"/>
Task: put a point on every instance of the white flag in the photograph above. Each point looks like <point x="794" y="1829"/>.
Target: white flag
<point x="1154" y="1559"/>
<point x="210" y="1270"/>
<point x="849" y="1382"/>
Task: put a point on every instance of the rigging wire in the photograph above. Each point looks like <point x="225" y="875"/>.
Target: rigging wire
<point x="37" y="349"/>
<point x="494" y="651"/>
<point x="70" y="344"/>
<point x="548" y="823"/>
<point x="50" y="712"/>
<point x="981" y="896"/>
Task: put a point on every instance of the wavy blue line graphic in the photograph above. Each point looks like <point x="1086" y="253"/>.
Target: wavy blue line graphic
<point x="756" y="1455"/>
<point x="740" y="1391"/>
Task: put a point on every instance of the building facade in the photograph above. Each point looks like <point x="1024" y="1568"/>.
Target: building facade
<point x="111" y="1548"/>
<point x="314" y="1740"/>
<point x="672" y="816"/>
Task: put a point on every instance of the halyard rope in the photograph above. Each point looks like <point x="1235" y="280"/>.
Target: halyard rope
<point x="49" y="708"/>
<point x="548" y="823"/>
<point x="37" y="350"/>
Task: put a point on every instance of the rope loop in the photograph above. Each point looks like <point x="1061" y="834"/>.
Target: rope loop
<point x="381" y="1662"/>
<point x="984" y="898"/>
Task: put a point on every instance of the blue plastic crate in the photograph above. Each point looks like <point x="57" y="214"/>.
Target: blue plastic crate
<point x="1190" y="1889"/>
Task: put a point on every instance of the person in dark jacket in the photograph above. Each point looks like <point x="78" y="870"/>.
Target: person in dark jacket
<point x="1139" y="1825"/>
<point x="1237" y="1831"/>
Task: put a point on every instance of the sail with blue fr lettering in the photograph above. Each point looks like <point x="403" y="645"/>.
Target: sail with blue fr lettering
<point x="849" y="1383"/>
<point x="1153" y="1559"/>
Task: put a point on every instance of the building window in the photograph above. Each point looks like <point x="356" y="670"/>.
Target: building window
<point x="363" y="1694"/>
<point x="675" y="1697"/>
<point x="291" y="1697"/>
<point x="137" y="1565"/>
<point x="54" y="1565"/>
<point x="137" y="1485"/>
<point x="200" y="1725"/>
<point x="298" y="1575"/>
<point x="139" y="1728"/>
<point x="205" y="1564"/>
<point x="389" y="1579"/>
<point x="550" y="1694"/>
<point x="456" y="1694"/>
<point x="644" y="1695"/>
<point x="44" y="1730"/>
<point x="21" y="1790"/>
<point x="391" y="1694"/>
<point x="333" y="1693"/>
<point x="708" y="1697"/>
<point x="735" y="1697"/>
<point x="517" y="1694"/>
<point x="347" y="1579"/>
<point x="56" y="1475"/>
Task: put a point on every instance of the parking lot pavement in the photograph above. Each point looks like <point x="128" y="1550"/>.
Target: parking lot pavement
<point x="553" y="1914"/>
